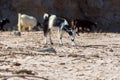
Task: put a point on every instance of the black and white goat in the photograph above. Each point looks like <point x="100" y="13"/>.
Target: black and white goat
<point x="3" y="22"/>
<point x="51" y="21"/>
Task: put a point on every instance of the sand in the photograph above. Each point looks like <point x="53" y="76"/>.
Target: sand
<point x="96" y="56"/>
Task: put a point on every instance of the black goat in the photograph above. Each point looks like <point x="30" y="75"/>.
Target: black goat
<point x="3" y="22"/>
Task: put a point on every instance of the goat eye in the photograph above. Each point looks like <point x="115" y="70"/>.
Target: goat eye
<point x="70" y="33"/>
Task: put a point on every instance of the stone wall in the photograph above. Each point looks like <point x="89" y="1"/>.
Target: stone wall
<point x="105" y="12"/>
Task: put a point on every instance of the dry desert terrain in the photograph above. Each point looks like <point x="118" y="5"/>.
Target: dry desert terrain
<point x="95" y="57"/>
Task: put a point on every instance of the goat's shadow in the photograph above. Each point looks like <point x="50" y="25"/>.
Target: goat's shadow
<point x="92" y="46"/>
<point x="5" y="77"/>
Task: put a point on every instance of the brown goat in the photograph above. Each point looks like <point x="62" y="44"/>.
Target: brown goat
<point x="82" y="25"/>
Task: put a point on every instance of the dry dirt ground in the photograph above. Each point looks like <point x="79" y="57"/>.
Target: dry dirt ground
<point x="95" y="57"/>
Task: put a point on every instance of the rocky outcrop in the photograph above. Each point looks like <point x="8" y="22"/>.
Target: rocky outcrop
<point x="105" y="12"/>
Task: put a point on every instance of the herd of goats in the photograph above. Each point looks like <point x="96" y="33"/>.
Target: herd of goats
<point x="26" y="22"/>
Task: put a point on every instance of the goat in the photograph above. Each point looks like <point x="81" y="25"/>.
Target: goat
<point x="51" y="21"/>
<point x="3" y="22"/>
<point x="85" y="25"/>
<point x="26" y="22"/>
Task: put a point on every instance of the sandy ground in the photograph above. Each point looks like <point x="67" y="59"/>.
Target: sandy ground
<point x="95" y="57"/>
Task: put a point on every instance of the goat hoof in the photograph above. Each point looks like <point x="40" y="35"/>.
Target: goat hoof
<point x="60" y="44"/>
<point x="78" y="34"/>
<point x="74" y="45"/>
<point x="46" y="44"/>
<point x="51" y="43"/>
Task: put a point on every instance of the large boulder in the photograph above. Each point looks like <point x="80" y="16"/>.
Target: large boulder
<point x="105" y="12"/>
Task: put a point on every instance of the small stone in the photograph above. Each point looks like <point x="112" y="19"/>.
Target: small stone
<point x="16" y="64"/>
<point x="62" y="63"/>
<point x="17" y="33"/>
<point x="111" y="50"/>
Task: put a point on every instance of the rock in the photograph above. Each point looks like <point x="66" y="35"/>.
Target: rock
<point x="111" y="50"/>
<point x="9" y="48"/>
<point x="72" y="55"/>
<point x="62" y="63"/>
<point x="23" y="71"/>
<point x="105" y="12"/>
<point x="17" y="33"/>
<point x="16" y="64"/>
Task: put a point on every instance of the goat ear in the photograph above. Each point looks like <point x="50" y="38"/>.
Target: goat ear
<point x="45" y="15"/>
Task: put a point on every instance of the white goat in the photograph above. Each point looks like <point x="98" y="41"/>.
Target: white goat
<point x="26" y="22"/>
